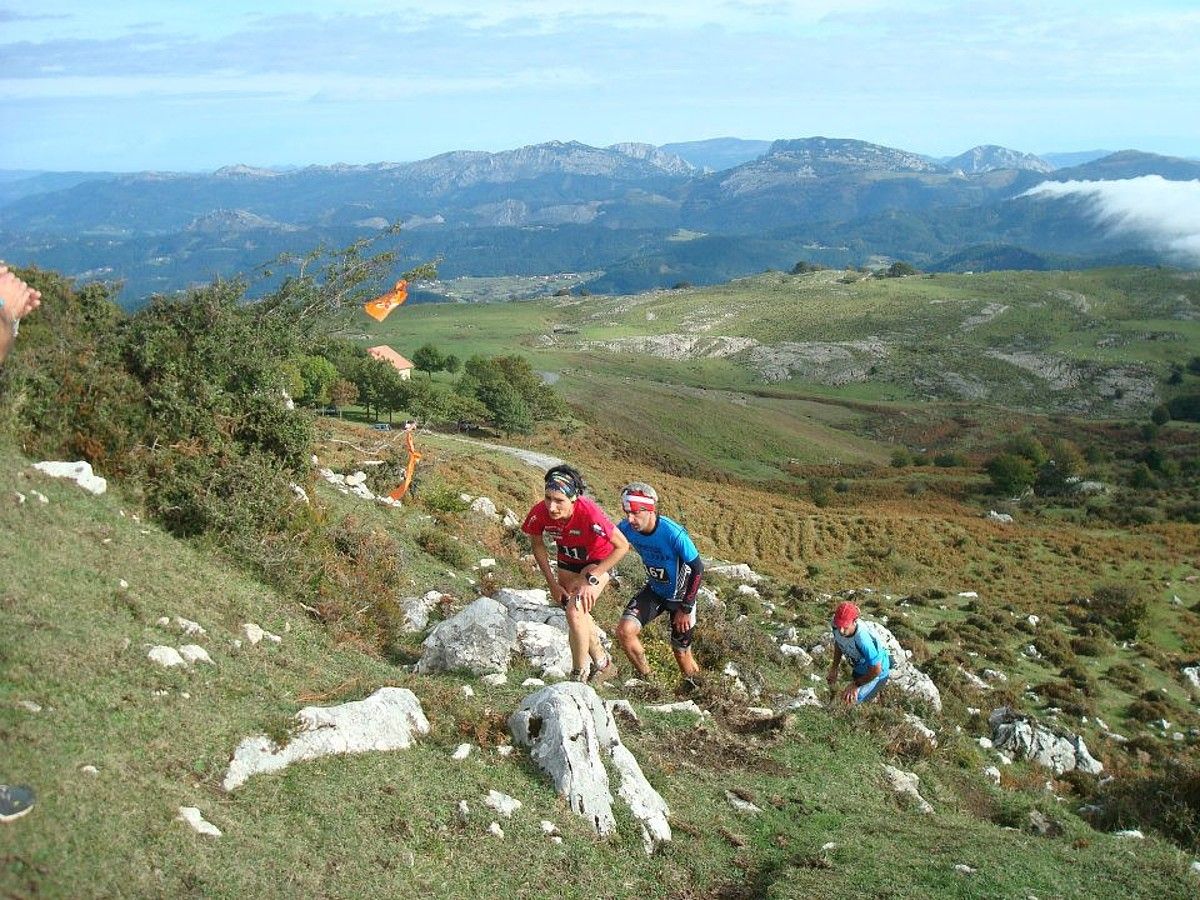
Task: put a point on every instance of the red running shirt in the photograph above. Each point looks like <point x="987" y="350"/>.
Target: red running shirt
<point x="585" y="537"/>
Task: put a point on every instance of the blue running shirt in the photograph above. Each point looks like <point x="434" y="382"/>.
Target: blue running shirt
<point x="665" y="552"/>
<point x="863" y="649"/>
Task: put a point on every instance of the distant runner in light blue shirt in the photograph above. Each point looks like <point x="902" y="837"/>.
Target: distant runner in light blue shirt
<point x="869" y="659"/>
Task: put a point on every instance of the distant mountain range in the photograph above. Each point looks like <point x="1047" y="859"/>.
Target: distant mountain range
<point x="643" y="216"/>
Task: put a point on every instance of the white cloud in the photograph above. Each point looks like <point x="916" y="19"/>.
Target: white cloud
<point x="1166" y="213"/>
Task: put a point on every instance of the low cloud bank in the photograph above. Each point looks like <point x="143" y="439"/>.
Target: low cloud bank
<point x="1166" y="213"/>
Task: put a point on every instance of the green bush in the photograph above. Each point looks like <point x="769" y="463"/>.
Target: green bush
<point x="1010" y="474"/>
<point x="1167" y="802"/>
<point x="1120" y="608"/>
<point x="443" y="546"/>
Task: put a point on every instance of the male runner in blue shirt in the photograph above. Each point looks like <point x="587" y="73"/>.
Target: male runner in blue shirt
<point x="674" y="571"/>
<point x="870" y="662"/>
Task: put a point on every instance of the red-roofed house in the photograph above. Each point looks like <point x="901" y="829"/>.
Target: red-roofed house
<point x="388" y="355"/>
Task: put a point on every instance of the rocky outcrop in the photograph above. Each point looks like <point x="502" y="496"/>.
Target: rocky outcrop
<point x="389" y="719"/>
<point x="483" y="637"/>
<point x="905" y="676"/>
<point x="479" y="639"/>
<point x="572" y="737"/>
<point x="1018" y="735"/>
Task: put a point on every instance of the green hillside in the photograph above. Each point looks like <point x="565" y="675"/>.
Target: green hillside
<point x="1081" y="613"/>
<point x="75" y="643"/>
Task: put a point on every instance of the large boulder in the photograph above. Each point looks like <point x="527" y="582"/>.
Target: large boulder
<point x="572" y="735"/>
<point x="904" y="676"/>
<point x="483" y="637"/>
<point x="1018" y="735"/>
<point x="387" y="720"/>
<point x="480" y="639"/>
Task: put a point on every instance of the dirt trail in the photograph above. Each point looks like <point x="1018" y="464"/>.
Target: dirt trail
<point x="537" y="460"/>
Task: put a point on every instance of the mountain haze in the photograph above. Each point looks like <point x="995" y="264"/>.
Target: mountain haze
<point x="640" y="216"/>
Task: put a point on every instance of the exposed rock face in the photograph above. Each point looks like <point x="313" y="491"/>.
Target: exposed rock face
<point x="571" y="735"/>
<point x="387" y="720"/>
<point x="906" y="784"/>
<point x="483" y="637"/>
<point x="80" y="472"/>
<point x="905" y="675"/>
<point x="480" y="639"/>
<point x="1016" y="734"/>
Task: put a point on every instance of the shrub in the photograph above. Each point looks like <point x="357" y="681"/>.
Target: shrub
<point x="1010" y="474"/>
<point x="1120" y="608"/>
<point x="1167" y="801"/>
<point x="437" y="543"/>
<point x="901" y="458"/>
<point x="1126" y="677"/>
<point x="950" y="460"/>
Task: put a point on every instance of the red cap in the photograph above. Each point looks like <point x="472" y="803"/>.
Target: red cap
<point x="845" y="614"/>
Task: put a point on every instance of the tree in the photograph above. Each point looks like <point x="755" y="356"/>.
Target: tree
<point x="317" y="375"/>
<point x="343" y="393"/>
<point x="803" y="267"/>
<point x="1010" y="474"/>
<point x="429" y="358"/>
<point x="899" y="270"/>
<point x="1027" y="446"/>
<point x="1160" y="415"/>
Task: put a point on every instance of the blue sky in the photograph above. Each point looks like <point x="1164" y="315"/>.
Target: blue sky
<point x="158" y="84"/>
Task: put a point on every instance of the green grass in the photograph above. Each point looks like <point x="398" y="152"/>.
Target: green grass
<point x="75" y="642"/>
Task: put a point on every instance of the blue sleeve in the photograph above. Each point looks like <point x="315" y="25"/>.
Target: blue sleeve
<point x="872" y="650"/>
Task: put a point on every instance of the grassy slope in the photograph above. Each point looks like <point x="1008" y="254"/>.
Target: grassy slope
<point x="936" y="334"/>
<point x="74" y="642"/>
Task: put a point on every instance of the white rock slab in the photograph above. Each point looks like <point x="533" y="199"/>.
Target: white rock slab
<point x="388" y="720"/>
<point x="1016" y="734"/>
<point x="546" y="647"/>
<point x="190" y="628"/>
<point x="502" y="803"/>
<point x="167" y="657"/>
<point x="480" y="639"/>
<point x="80" y="472"/>
<point x="571" y="734"/>
<point x="195" y="818"/>
<point x="906" y="784"/>
<point x="194" y="653"/>
<point x="461" y="752"/>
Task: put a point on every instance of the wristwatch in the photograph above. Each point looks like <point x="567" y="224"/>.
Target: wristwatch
<point x="593" y="580"/>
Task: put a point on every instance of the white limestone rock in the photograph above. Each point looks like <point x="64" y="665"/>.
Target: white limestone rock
<point x="806" y="697"/>
<point x="906" y="784"/>
<point x="485" y="507"/>
<point x="502" y="803"/>
<point x="791" y="651"/>
<point x="1016" y="734"/>
<point x="679" y="706"/>
<point x="80" y="472"/>
<point x="196" y="820"/>
<point x="188" y="627"/>
<point x="922" y="729"/>
<point x="194" y="653"/>
<point x="1191" y="675"/>
<point x="992" y="774"/>
<point x="572" y="735"/>
<point x="904" y="675"/>
<point x="741" y="805"/>
<point x="461" y="752"/>
<point x="417" y="609"/>
<point x="737" y="572"/>
<point x="167" y="657"/>
<point x="546" y="647"/>
<point x="389" y="719"/>
<point x="495" y="679"/>
<point x="480" y="639"/>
